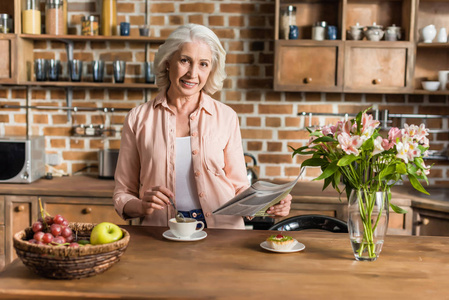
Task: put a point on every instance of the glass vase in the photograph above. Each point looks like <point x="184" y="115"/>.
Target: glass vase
<point x="367" y="223"/>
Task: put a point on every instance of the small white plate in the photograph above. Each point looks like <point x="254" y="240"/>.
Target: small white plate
<point x="194" y="237"/>
<point x="298" y="247"/>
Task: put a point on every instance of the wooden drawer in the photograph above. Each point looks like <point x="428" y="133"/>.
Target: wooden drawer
<point x="433" y="223"/>
<point x="377" y="69"/>
<point x="83" y="210"/>
<point x="304" y="66"/>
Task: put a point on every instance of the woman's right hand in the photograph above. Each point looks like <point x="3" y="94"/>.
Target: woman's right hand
<point x="156" y="198"/>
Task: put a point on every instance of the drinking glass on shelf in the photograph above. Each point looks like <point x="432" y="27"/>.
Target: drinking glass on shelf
<point x="75" y="69"/>
<point x="119" y="70"/>
<point x="41" y="69"/>
<point x="149" y="72"/>
<point x="97" y="70"/>
<point x="53" y="69"/>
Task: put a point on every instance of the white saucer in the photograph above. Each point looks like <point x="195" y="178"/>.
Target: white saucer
<point x="194" y="237"/>
<point x="298" y="247"/>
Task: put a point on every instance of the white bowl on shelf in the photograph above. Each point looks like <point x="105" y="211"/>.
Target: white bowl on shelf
<point x="431" y="85"/>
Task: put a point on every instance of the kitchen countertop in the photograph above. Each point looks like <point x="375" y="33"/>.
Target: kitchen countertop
<point x="230" y="264"/>
<point x="304" y="191"/>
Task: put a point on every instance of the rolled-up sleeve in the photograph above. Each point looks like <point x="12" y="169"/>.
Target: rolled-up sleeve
<point x="128" y="167"/>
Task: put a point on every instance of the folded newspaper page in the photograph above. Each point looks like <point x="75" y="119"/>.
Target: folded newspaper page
<point x="255" y="200"/>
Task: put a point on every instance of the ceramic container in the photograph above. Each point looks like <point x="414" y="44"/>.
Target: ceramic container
<point x="393" y="33"/>
<point x="374" y="32"/>
<point x="355" y="32"/>
<point x="429" y="33"/>
<point x="442" y="35"/>
<point x="431" y="85"/>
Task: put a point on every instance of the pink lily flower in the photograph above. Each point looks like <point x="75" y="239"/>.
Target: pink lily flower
<point x="394" y="134"/>
<point x="349" y="144"/>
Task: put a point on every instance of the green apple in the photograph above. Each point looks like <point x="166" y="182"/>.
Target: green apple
<point x="105" y="233"/>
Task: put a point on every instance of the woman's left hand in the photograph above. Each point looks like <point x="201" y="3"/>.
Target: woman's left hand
<point x="282" y="209"/>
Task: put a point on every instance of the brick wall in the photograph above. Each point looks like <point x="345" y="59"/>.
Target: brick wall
<point x="269" y="120"/>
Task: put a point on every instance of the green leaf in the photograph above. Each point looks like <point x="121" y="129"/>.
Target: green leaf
<point x="331" y="168"/>
<point x="327" y="181"/>
<point x="416" y="184"/>
<point x="387" y="171"/>
<point x="324" y="139"/>
<point x="347" y="160"/>
<point x="401" y="168"/>
<point x="398" y="209"/>
<point x="313" y="162"/>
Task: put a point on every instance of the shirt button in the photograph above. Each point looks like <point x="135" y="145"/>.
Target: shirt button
<point x="194" y="133"/>
<point x="208" y="214"/>
<point x="197" y="173"/>
<point x="194" y="215"/>
<point x="201" y="195"/>
<point x="192" y="118"/>
<point x="194" y="152"/>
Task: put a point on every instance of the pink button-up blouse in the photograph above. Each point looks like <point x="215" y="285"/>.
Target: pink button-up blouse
<point x="147" y="158"/>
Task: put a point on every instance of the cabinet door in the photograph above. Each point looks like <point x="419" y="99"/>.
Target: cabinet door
<point x="6" y="61"/>
<point x="20" y="213"/>
<point x="428" y="222"/>
<point x="83" y="210"/>
<point x="378" y="67"/>
<point x="308" y="66"/>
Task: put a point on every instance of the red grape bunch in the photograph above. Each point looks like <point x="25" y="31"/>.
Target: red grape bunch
<point x="53" y="231"/>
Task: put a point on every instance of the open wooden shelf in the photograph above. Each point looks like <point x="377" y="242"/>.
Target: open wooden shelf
<point x="64" y="84"/>
<point x="99" y="38"/>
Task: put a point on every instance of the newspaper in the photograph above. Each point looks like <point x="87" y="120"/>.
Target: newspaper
<point x="255" y="200"/>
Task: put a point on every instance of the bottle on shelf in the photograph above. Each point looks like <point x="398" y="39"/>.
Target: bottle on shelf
<point x="54" y="17"/>
<point x="31" y="17"/>
<point x="288" y="19"/>
<point x="109" y="18"/>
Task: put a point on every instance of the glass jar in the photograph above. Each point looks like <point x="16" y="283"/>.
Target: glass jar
<point x="109" y="18"/>
<point x="54" y="17"/>
<point x="5" y="23"/>
<point x="89" y="25"/>
<point x="31" y="17"/>
<point x="288" y="18"/>
<point x="319" y="31"/>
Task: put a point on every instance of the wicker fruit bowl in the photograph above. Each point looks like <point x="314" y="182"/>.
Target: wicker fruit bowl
<point x="60" y="262"/>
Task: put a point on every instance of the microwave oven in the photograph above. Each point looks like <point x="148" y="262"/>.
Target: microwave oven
<point x="22" y="160"/>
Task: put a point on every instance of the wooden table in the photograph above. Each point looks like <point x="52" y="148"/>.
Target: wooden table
<point x="230" y="264"/>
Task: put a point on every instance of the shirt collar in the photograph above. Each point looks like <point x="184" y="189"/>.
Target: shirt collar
<point x="206" y="102"/>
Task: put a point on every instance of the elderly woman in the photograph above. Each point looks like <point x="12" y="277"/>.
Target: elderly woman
<point x="183" y="144"/>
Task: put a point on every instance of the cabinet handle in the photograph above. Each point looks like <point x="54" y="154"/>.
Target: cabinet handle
<point x="377" y="81"/>
<point x="307" y="80"/>
<point x="20" y="208"/>
<point x="423" y="221"/>
<point x="87" y="210"/>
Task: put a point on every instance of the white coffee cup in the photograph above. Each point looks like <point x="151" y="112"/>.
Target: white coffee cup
<point x="443" y="79"/>
<point x="184" y="229"/>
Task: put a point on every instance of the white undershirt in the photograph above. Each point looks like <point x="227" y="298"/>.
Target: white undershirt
<point x="186" y="192"/>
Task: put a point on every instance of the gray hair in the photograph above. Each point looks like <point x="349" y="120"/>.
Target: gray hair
<point x="186" y="34"/>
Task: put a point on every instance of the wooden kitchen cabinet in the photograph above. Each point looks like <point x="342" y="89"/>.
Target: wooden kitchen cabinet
<point x="82" y="210"/>
<point x="366" y="66"/>
<point x="18" y="212"/>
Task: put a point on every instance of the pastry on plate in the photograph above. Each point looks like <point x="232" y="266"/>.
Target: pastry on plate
<point x="281" y="242"/>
